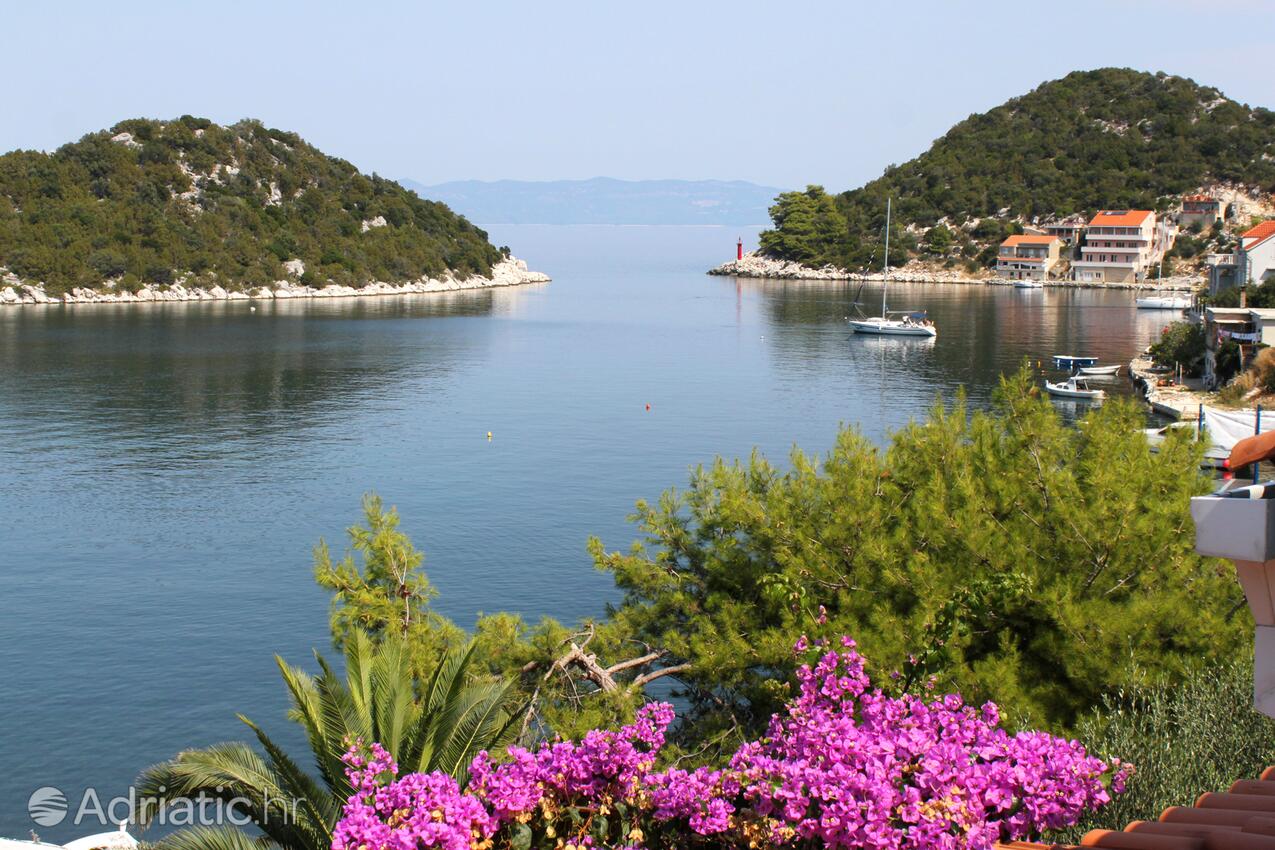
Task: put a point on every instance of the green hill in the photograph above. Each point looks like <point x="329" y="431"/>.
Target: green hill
<point x="150" y="202"/>
<point x="1107" y="139"/>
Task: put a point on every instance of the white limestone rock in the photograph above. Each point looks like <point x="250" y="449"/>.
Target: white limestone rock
<point x="126" y="139"/>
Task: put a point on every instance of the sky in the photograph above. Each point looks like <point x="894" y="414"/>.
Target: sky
<point x="782" y="94"/>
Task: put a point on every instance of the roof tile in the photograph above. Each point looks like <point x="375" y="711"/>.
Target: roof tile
<point x="1028" y="239"/>
<point x="1260" y="233"/>
<point x="1120" y="218"/>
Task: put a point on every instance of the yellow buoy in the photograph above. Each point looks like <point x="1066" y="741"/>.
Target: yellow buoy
<point x="489" y="436"/>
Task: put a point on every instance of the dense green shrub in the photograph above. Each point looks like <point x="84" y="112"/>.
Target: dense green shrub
<point x="1181" y="343"/>
<point x="190" y="196"/>
<point x="1014" y="557"/>
<point x="1197" y="735"/>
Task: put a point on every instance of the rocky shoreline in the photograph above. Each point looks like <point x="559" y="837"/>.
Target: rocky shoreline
<point x="508" y="272"/>
<point x="756" y="265"/>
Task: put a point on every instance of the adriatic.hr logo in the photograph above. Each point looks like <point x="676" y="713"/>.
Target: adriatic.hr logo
<point x="47" y="806"/>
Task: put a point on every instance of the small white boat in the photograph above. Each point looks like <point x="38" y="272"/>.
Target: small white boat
<point x="1099" y="371"/>
<point x="1164" y="302"/>
<point x="1074" y="388"/>
<point x="1028" y="284"/>
<point x="911" y="324"/>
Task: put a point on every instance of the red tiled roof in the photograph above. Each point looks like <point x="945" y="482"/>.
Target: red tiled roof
<point x="1260" y="233"/>
<point x="1028" y="239"/>
<point x="1120" y="218"/>
<point x="1200" y="198"/>
<point x="1242" y="818"/>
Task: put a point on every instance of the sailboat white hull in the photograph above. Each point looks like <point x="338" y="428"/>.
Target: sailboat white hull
<point x="1163" y="302"/>
<point x="891" y="327"/>
<point x="883" y="325"/>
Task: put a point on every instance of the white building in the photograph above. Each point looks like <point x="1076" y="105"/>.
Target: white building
<point x="1119" y="246"/>
<point x="1252" y="264"/>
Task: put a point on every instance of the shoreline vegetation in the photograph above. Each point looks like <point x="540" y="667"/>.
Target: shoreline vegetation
<point x="175" y="207"/>
<point x="1108" y="139"/>
<point x="761" y="267"/>
<point x="508" y="272"/>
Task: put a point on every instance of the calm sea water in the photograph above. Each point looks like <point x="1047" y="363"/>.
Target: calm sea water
<point x="165" y="470"/>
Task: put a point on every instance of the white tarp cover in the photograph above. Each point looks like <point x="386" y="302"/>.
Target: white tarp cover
<point x="1227" y="427"/>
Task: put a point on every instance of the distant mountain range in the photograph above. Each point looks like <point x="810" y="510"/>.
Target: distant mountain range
<point x="603" y="200"/>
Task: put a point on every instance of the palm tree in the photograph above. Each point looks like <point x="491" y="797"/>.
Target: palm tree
<point x="441" y="727"/>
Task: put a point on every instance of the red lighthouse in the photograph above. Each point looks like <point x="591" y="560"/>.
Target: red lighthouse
<point x="739" y="249"/>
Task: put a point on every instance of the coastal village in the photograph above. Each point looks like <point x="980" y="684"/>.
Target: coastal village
<point x="1130" y="249"/>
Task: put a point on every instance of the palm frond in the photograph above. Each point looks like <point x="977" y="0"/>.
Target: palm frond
<point x="375" y="700"/>
<point x="309" y="806"/>
<point x="395" y="708"/>
<point x="213" y="838"/>
<point x="360" y="655"/>
<point x="473" y="722"/>
<point x="220" y="772"/>
<point x="307" y="710"/>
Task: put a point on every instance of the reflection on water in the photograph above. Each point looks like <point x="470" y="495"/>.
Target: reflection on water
<point x="167" y="468"/>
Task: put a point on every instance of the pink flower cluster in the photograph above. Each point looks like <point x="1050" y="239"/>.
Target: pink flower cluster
<point x="604" y="765"/>
<point x="844" y="766"/>
<point x="417" y="810"/>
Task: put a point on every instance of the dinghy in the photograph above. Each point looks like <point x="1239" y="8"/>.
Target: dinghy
<point x="1071" y="361"/>
<point x="1100" y="371"/>
<point x="1073" y="388"/>
<point x="1028" y="284"/>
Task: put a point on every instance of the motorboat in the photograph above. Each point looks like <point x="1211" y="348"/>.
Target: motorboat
<point x="1028" y="284"/>
<point x="1100" y="371"/>
<point x="1074" y="388"/>
<point x="908" y="322"/>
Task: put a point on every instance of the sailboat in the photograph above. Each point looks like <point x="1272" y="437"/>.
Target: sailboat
<point x="1163" y="302"/>
<point x="911" y="323"/>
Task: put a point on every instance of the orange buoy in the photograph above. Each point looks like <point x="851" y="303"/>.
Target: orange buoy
<point x="648" y="406"/>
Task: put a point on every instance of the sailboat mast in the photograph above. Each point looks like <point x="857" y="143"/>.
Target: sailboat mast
<point x="885" y="270"/>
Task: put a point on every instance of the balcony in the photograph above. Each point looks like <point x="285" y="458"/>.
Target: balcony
<point x="1132" y="263"/>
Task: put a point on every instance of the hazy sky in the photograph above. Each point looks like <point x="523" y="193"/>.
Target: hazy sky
<point x="778" y="93"/>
